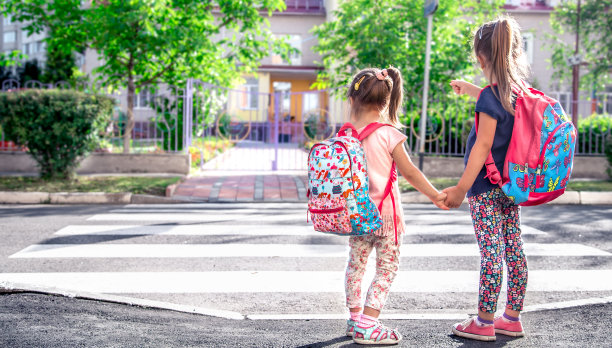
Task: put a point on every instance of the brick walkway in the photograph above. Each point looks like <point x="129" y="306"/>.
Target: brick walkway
<point x="244" y="188"/>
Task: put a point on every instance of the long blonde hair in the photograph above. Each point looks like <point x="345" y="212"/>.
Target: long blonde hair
<point x="367" y="91"/>
<point x="500" y="44"/>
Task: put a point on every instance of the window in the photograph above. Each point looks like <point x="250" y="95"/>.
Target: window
<point x="310" y="102"/>
<point x="143" y="99"/>
<point x="26" y="48"/>
<point x="528" y="46"/>
<point x="79" y="60"/>
<point x="9" y="36"/>
<point x="250" y="96"/>
<point x="284" y="88"/>
<point x="295" y="58"/>
<point x="7" y="20"/>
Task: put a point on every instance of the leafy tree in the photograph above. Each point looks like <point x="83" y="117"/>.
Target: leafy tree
<point x="60" y="64"/>
<point x="595" y="41"/>
<point x="379" y="33"/>
<point x="145" y="42"/>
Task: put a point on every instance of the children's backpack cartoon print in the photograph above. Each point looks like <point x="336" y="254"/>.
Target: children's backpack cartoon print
<point x="540" y="155"/>
<point x="338" y="187"/>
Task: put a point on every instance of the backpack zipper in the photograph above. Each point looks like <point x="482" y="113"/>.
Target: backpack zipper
<point x="541" y="160"/>
<point x="326" y="211"/>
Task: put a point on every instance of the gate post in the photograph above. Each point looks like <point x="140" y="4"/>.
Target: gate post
<point x="277" y="96"/>
<point x="187" y="114"/>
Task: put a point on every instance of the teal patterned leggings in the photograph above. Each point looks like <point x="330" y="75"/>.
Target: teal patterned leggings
<point x="497" y="225"/>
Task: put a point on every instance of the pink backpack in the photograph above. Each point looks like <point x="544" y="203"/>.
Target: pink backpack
<point x="540" y="156"/>
<point x="338" y="185"/>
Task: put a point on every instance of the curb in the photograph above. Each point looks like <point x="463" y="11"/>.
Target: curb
<point x="172" y="187"/>
<point x="18" y="197"/>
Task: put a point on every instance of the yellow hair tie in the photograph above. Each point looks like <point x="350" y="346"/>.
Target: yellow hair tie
<point x="358" y="83"/>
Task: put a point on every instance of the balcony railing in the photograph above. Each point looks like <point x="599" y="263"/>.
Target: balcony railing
<point x="305" y="6"/>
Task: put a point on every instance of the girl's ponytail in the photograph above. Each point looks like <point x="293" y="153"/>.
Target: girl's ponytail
<point x="397" y="95"/>
<point x="500" y="44"/>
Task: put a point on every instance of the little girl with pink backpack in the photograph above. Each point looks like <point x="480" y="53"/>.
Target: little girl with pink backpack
<point x="353" y="191"/>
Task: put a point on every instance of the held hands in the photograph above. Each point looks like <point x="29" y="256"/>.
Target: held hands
<point x="454" y="196"/>
<point x="438" y="201"/>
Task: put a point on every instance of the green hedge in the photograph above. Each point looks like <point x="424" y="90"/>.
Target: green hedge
<point x="58" y="127"/>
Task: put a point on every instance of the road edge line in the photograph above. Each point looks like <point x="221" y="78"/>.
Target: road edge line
<point x="11" y="287"/>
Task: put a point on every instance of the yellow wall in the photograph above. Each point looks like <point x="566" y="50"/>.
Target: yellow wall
<point x="266" y="101"/>
<point x="296" y="108"/>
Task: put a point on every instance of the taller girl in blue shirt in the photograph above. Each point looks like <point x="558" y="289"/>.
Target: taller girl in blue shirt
<point x="499" y="49"/>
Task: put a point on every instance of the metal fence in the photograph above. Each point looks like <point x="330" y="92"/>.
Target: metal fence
<point x="173" y="119"/>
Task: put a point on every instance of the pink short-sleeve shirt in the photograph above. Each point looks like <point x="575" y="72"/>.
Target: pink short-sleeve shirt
<point x="378" y="147"/>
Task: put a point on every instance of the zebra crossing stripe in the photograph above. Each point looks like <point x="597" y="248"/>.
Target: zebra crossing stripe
<point x="258" y="216"/>
<point x="297" y="281"/>
<point x="251" y="230"/>
<point x="276" y="250"/>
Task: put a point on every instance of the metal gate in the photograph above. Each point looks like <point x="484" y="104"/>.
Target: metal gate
<point x="243" y="129"/>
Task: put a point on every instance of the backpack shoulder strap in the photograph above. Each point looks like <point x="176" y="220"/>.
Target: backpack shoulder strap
<point x="369" y="129"/>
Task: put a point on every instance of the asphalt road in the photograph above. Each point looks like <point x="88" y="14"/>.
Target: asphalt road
<point x="259" y="261"/>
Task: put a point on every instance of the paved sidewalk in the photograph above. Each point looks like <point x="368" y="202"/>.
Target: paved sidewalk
<point x="223" y="187"/>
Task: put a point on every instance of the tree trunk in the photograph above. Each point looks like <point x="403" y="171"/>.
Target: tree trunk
<point x="129" y="123"/>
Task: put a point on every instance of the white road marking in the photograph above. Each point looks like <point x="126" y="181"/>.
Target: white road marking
<point x="196" y="217"/>
<point x="251" y="230"/>
<point x="276" y="250"/>
<point x="567" y="304"/>
<point x="297" y="281"/>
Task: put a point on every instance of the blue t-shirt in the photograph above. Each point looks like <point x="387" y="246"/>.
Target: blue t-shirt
<point x="490" y="105"/>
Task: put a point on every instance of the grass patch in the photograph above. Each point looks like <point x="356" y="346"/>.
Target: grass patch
<point x="595" y="185"/>
<point x="575" y="185"/>
<point x="110" y="184"/>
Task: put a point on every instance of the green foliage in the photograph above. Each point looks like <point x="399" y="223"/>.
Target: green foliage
<point x="10" y="58"/>
<point x="57" y="127"/>
<point x="595" y="41"/>
<point x="60" y="64"/>
<point x="145" y="42"/>
<point x="372" y="33"/>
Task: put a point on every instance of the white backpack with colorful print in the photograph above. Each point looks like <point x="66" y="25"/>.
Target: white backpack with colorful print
<point x="338" y="187"/>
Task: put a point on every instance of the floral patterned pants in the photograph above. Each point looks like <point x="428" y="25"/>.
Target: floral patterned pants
<point x="497" y="225"/>
<point x="387" y="264"/>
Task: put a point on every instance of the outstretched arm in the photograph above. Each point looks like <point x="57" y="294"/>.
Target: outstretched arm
<point x="416" y="178"/>
<point x="464" y="87"/>
<point x="478" y="156"/>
